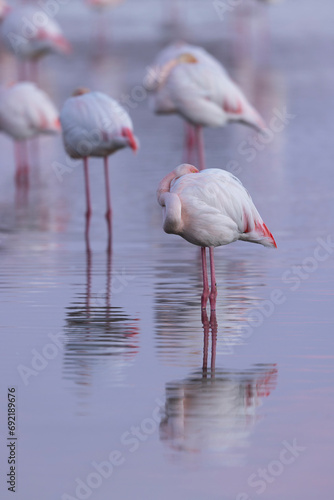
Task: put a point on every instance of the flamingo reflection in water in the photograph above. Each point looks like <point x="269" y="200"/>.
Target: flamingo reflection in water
<point x="214" y="410"/>
<point x="99" y="336"/>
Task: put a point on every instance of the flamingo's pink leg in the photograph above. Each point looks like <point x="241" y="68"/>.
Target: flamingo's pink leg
<point x="200" y="148"/>
<point x="109" y="210"/>
<point x="213" y="293"/>
<point x="25" y="161"/>
<point x="88" y="203"/>
<point x="205" y="294"/>
<point x="33" y="70"/>
<point x="22" y="165"/>
<point x="18" y="162"/>
<point x="190" y="143"/>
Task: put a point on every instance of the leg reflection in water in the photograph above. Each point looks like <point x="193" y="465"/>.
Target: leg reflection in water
<point x="99" y="335"/>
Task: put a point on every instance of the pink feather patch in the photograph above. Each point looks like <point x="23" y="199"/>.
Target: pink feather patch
<point x="234" y="110"/>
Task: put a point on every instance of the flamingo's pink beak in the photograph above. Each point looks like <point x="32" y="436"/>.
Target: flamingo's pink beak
<point x="126" y="132"/>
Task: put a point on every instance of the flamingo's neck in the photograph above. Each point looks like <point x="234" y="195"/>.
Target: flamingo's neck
<point x="164" y="187"/>
<point x="172" y="214"/>
<point x="171" y="204"/>
<point x="163" y="73"/>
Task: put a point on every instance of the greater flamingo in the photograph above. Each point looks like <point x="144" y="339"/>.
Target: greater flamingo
<point x="26" y="112"/>
<point x="94" y="124"/>
<point x="187" y="80"/>
<point x="30" y="34"/>
<point x="209" y="209"/>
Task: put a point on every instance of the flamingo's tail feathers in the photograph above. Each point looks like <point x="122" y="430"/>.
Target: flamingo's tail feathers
<point x="267" y="238"/>
<point x="240" y="110"/>
<point x="259" y="234"/>
<point x="254" y="119"/>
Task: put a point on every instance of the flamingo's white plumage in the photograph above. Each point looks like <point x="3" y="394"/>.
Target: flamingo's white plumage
<point x="94" y="124"/>
<point x="209" y="209"/>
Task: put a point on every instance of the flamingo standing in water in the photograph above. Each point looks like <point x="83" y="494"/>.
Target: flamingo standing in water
<point x="94" y="124"/>
<point x="209" y="209"/>
<point x="30" y="34"/>
<point x="26" y="112"/>
<point x="187" y="80"/>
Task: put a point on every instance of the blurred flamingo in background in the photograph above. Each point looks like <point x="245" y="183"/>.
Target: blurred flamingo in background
<point x="209" y="209"/>
<point x="187" y="80"/>
<point x="26" y="112"/>
<point x="94" y="124"/>
<point x="30" y="36"/>
<point x="100" y="4"/>
<point x="103" y="27"/>
<point x="251" y="18"/>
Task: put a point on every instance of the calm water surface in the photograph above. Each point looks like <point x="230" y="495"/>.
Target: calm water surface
<point x="123" y="390"/>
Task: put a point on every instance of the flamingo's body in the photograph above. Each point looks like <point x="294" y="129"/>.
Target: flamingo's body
<point x="209" y="209"/>
<point x="28" y="40"/>
<point x="94" y="124"/>
<point x="26" y="112"/>
<point x="187" y="80"/>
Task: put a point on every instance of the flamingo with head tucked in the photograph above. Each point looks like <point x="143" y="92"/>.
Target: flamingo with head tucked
<point x="94" y="124"/>
<point x="30" y="33"/>
<point x="210" y="209"/>
<point x="188" y="81"/>
<point x="26" y="112"/>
